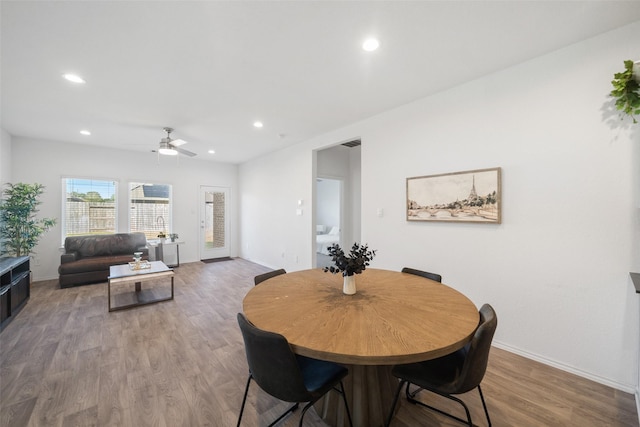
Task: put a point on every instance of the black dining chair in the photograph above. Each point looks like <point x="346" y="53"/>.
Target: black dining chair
<point x="286" y="375"/>
<point x="432" y="276"/>
<point x="262" y="277"/>
<point x="455" y="373"/>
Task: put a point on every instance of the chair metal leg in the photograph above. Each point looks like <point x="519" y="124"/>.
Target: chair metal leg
<point x="304" y="411"/>
<point x="395" y="401"/>
<point x="484" y="405"/>
<point x="293" y="408"/>
<point x="414" y="392"/>
<point x="346" y="405"/>
<point x="296" y="405"/>
<point x="466" y="409"/>
<point x="244" y="400"/>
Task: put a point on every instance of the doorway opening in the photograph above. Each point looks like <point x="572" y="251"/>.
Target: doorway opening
<point x="336" y="192"/>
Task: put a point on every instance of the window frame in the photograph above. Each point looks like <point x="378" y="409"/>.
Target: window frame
<point x="64" y="182"/>
<point x="168" y="223"/>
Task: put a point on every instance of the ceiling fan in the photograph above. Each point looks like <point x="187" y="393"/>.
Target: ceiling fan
<point x="171" y="147"/>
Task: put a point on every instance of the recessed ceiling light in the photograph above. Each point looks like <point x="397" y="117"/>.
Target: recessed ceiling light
<point x="370" y="45"/>
<point x="85" y="132"/>
<point x="73" y="78"/>
<point x="211" y="151"/>
<point x="257" y="124"/>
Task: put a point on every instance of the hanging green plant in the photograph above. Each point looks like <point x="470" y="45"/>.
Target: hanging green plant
<point x="19" y="228"/>
<point x="626" y="91"/>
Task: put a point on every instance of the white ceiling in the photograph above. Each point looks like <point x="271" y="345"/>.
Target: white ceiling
<point x="210" y="69"/>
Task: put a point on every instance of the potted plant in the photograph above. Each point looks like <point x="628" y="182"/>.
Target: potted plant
<point x="349" y="265"/>
<point x="19" y="228"/>
<point x="173" y="237"/>
<point x="626" y="90"/>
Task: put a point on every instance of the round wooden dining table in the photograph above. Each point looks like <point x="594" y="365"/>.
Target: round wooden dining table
<point x="393" y="318"/>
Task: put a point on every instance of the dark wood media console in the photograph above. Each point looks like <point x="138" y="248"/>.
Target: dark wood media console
<point x="15" y="287"/>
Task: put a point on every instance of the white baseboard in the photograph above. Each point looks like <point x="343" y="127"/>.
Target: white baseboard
<point x="42" y="279"/>
<point x="627" y="388"/>
<point x="638" y="402"/>
<point x="260" y="262"/>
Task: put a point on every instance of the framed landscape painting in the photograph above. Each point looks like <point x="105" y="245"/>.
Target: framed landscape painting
<point x="469" y="196"/>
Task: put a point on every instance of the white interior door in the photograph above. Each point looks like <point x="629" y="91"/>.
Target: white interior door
<point x="214" y="222"/>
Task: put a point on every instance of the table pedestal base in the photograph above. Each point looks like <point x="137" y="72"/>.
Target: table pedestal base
<point x="369" y="391"/>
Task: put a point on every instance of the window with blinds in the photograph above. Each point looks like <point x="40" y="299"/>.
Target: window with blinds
<point x="150" y="209"/>
<point x="89" y="206"/>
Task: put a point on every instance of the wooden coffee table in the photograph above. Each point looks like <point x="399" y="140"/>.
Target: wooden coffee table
<point x="125" y="274"/>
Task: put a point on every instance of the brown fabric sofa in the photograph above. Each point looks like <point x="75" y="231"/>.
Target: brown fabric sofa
<point x="87" y="258"/>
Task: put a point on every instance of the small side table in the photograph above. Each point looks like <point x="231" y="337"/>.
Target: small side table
<point x="165" y="251"/>
<point x="169" y="253"/>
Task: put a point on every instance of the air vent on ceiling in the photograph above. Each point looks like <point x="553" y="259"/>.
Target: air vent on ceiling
<point x="352" y="144"/>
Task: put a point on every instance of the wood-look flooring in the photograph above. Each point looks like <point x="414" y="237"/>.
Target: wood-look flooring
<point x="66" y="361"/>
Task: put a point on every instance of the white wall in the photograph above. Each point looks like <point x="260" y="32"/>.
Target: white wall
<point x="556" y="269"/>
<point x="47" y="162"/>
<point x="5" y="157"/>
<point x="271" y="232"/>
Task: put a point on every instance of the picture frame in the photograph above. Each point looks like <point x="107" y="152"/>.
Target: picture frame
<point x="468" y="196"/>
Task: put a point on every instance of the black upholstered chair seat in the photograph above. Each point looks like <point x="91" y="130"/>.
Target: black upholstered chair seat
<point x="453" y="374"/>
<point x="319" y="376"/>
<point x="286" y="375"/>
<point x="441" y="374"/>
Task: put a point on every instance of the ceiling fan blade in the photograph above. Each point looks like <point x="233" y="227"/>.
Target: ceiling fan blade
<point x="183" y="151"/>
<point x="178" y="142"/>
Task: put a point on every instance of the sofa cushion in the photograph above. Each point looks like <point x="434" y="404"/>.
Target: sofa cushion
<point x="105" y="244"/>
<point x="84" y="265"/>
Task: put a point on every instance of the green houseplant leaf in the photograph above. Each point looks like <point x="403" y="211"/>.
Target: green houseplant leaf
<point x="626" y="91"/>
<point x="20" y="230"/>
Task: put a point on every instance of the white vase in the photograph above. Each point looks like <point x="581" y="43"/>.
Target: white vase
<point x="349" y="285"/>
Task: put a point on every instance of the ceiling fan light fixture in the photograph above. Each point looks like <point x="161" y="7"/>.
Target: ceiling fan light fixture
<point x="167" y="149"/>
<point x="171" y="147"/>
